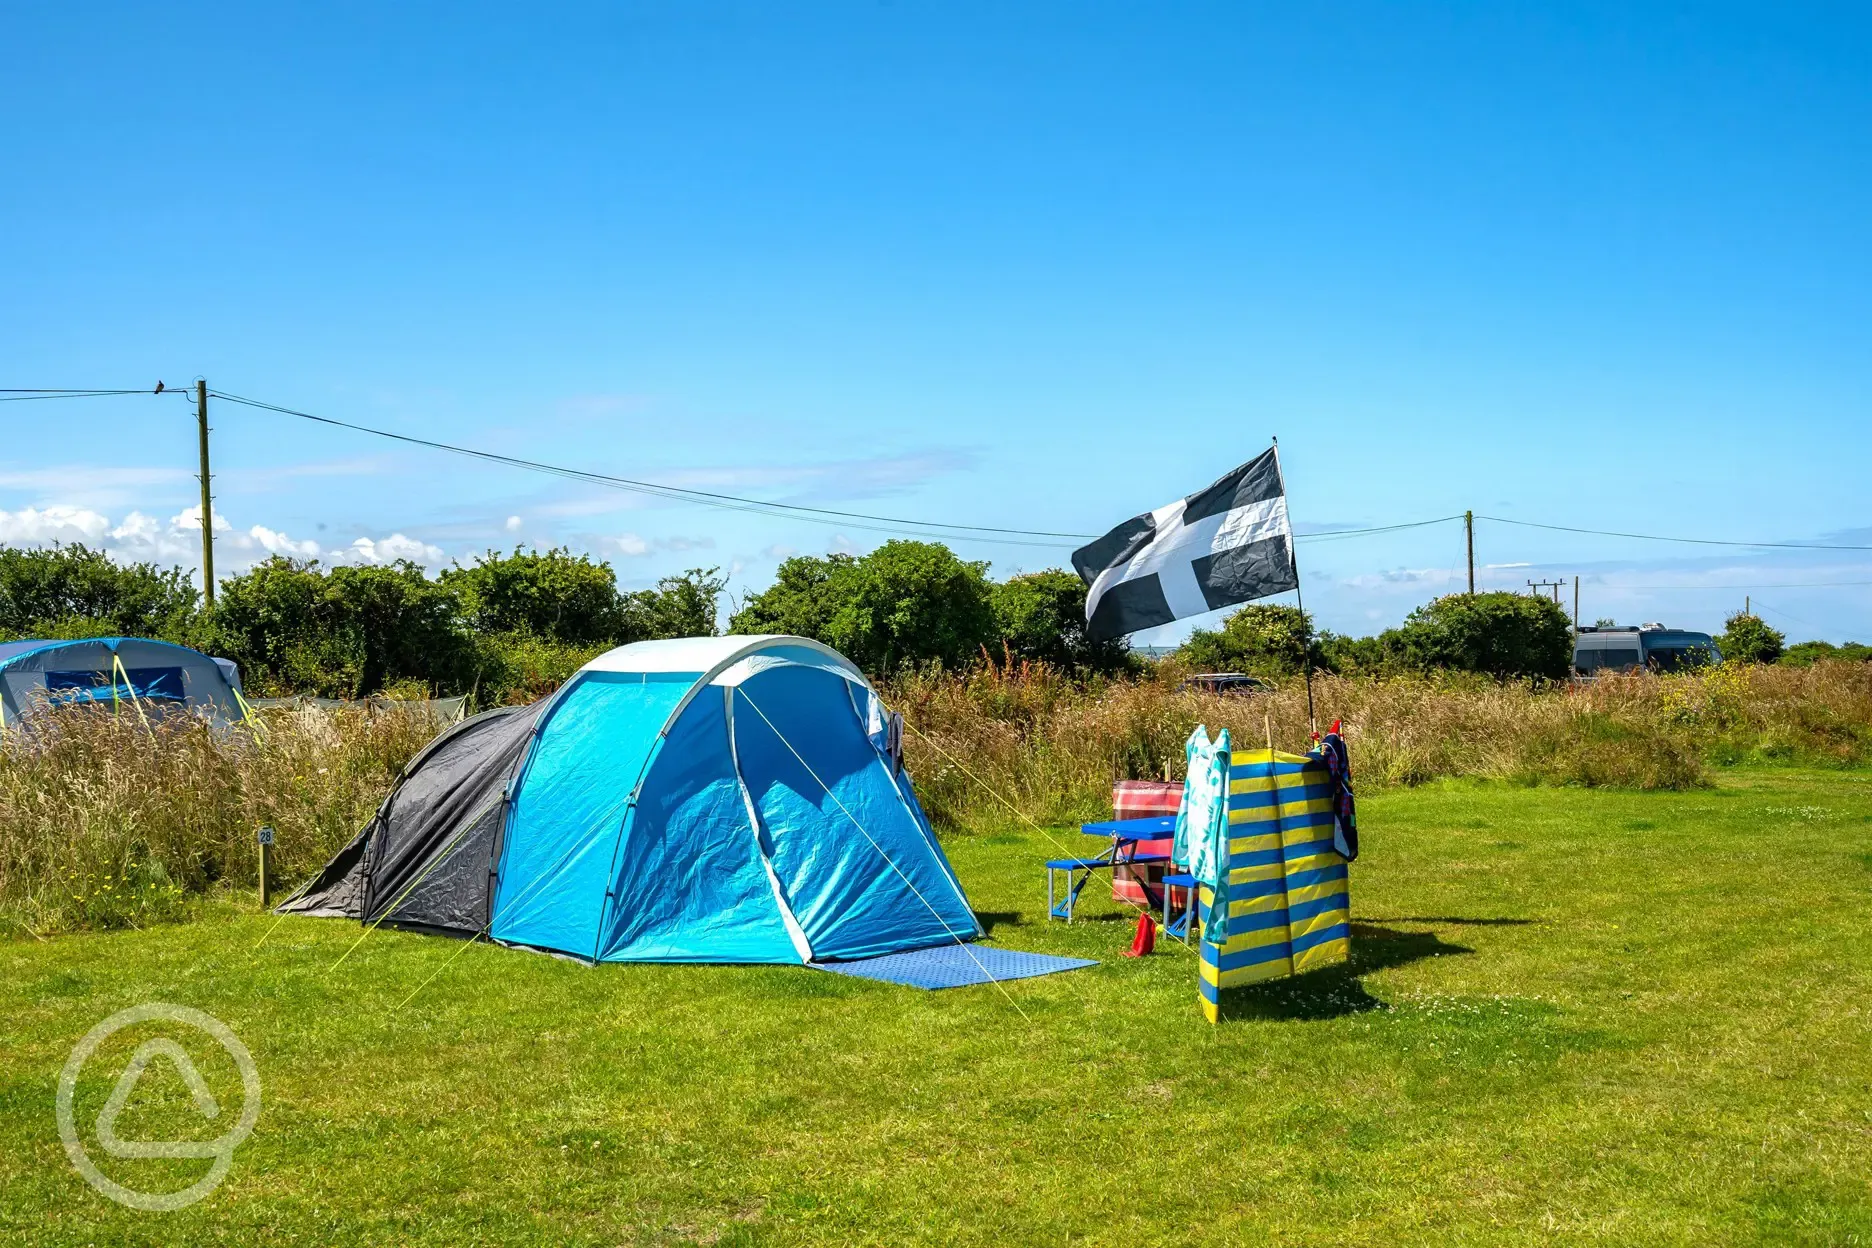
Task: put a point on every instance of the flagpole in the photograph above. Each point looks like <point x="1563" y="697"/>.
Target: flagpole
<point x="1306" y="625"/>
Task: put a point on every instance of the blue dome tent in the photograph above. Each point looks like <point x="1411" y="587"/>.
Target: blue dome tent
<point x="36" y="675"/>
<point x="707" y="799"/>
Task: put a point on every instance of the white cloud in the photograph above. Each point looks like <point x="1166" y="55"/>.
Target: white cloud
<point x="629" y="545"/>
<point x="388" y="550"/>
<point x="513" y="524"/>
<point x="1522" y="564"/>
<point x="780" y="550"/>
<point x="60" y="522"/>
<point x="141" y="537"/>
<point x="279" y="544"/>
<point x="190" y="518"/>
<point x="634" y="545"/>
<point x="137" y="527"/>
<point x="1398" y="576"/>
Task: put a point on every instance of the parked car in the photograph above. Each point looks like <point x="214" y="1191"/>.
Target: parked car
<point x="1238" y="683"/>
<point x="1647" y="648"/>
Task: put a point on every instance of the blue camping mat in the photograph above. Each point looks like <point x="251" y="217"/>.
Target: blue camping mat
<point x="954" y="966"/>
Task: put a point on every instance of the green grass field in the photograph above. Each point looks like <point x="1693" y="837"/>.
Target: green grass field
<point x="1573" y="1015"/>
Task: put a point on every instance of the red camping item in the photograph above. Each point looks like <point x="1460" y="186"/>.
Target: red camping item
<point x="1140" y="799"/>
<point x="1146" y="938"/>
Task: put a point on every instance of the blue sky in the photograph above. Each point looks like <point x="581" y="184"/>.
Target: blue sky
<point x="1039" y="266"/>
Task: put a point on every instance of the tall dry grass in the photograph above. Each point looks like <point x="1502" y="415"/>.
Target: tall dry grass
<point x="104" y="822"/>
<point x="107" y="822"/>
<point x="1054" y="747"/>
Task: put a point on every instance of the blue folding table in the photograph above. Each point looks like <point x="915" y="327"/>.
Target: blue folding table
<point x="1125" y="834"/>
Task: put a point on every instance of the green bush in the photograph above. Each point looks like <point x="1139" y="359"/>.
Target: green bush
<point x="344" y="632"/>
<point x="1262" y="639"/>
<point x="1040" y="617"/>
<point x="552" y="594"/>
<point x="1498" y="634"/>
<point x="73" y="591"/>
<point x="520" y="667"/>
<point x="1807" y="653"/>
<point x="680" y="606"/>
<point x="509" y="626"/>
<point x="1748" y="639"/>
<point x="905" y="604"/>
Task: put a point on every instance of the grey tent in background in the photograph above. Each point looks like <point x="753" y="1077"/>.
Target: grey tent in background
<point x="155" y="675"/>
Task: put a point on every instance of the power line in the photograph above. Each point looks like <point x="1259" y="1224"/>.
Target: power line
<point x="709" y="498"/>
<point x="728" y="502"/>
<point x="1652" y="537"/>
<point x="1335" y="534"/>
<point x="1789" y="615"/>
<point x="26" y="396"/>
<point x="872" y="522"/>
<point x="735" y="502"/>
<point x="1789" y="585"/>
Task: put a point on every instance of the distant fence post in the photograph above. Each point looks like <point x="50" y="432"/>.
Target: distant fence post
<point x="265" y="837"/>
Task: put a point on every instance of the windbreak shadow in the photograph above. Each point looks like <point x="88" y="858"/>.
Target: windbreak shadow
<point x="1336" y="991"/>
<point x="1451" y="920"/>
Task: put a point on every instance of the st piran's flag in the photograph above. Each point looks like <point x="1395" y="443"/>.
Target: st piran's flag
<point x="1220" y="546"/>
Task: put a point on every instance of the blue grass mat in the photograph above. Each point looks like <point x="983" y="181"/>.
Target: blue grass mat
<point x="954" y="966"/>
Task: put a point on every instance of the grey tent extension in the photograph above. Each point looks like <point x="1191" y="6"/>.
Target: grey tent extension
<point x="426" y="858"/>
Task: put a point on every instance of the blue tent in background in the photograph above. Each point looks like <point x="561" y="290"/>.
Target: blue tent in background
<point x="36" y="675"/>
<point x="708" y="799"/>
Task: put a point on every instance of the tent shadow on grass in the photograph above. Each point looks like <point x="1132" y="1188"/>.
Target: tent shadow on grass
<point x="1336" y="991"/>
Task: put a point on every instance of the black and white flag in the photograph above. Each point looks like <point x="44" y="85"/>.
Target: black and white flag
<point x="1220" y="546"/>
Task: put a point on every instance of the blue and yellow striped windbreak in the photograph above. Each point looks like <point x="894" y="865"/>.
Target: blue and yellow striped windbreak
<point x="1288" y="907"/>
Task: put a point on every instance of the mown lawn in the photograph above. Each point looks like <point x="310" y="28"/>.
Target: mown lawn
<point x="1573" y="1016"/>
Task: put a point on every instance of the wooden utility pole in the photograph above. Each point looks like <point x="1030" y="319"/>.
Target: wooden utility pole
<point x="207" y="502"/>
<point x="1468" y="524"/>
<point x="1576" y="604"/>
<point x="1534" y="588"/>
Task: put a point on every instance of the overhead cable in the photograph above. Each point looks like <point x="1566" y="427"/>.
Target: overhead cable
<point x="708" y="498"/>
<point x="1334" y="534"/>
<point x="1789" y="585"/>
<point x="1653" y="537"/>
<point x="898" y="525"/>
<point x="22" y="396"/>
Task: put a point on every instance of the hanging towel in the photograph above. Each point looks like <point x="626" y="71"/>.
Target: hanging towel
<point x="1202" y="831"/>
<point x="1332" y="750"/>
<point x="893" y="741"/>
